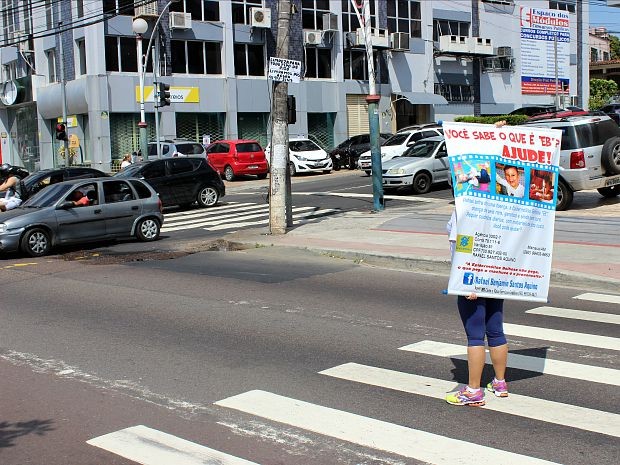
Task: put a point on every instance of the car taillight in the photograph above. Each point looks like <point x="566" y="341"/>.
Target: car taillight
<point x="577" y="160"/>
<point x="235" y="155"/>
<point x="161" y="205"/>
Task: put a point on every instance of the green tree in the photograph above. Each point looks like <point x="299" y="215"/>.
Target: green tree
<point x="601" y="92"/>
<point x="614" y="45"/>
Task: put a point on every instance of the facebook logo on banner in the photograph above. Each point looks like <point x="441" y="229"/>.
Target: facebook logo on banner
<point x="468" y="279"/>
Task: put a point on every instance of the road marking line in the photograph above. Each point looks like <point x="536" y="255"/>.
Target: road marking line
<point x="368" y="432"/>
<point x="152" y="447"/>
<point x="262" y="209"/>
<point x="211" y="213"/>
<point x="210" y="209"/>
<point x="221" y="219"/>
<point x="576" y="314"/>
<point x="368" y="196"/>
<point x="524" y="362"/>
<point x="300" y="216"/>
<point x="607" y="298"/>
<point x="529" y="407"/>
<point x="568" y="337"/>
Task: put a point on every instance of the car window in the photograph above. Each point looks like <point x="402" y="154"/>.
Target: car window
<point x="419" y="135"/>
<point x="589" y="135"/>
<point x="421" y="149"/>
<point x="48" y="197"/>
<point x="156" y="169"/>
<point x="190" y="149"/>
<point x="88" y="191"/>
<point x="117" y="191"/>
<point x="143" y="191"/>
<point x="152" y="149"/>
<point x="165" y="148"/>
<point x="303" y="146"/>
<point x="397" y="139"/>
<point x="180" y="165"/>
<point x="569" y="140"/>
<point x="245" y="147"/>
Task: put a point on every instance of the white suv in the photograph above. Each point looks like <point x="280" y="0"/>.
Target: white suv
<point x="398" y="143"/>
<point x="177" y="148"/>
<point x="589" y="157"/>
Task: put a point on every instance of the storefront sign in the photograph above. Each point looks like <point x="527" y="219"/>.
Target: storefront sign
<point x="177" y="94"/>
<point x="541" y="32"/>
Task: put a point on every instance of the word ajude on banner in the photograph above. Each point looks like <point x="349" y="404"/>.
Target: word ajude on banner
<point x="505" y="189"/>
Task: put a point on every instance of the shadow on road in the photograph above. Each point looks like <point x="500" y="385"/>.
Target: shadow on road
<point x="11" y="431"/>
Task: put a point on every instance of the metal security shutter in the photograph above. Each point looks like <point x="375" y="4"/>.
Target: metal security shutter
<point x="125" y="133"/>
<point x="253" y="126"/>
<point x="192" y="126"/>
<point x="321" y="129"/>
<point x="357" y="115"/>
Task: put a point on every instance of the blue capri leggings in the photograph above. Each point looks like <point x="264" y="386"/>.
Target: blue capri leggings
<point x="482" y="317"/>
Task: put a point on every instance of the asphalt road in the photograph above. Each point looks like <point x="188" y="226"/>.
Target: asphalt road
<point x="91" y="348"/>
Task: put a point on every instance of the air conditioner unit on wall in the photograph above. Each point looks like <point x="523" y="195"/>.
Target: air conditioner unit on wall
<point x="147" y="9"/>
<point x="379" y="38"/>
<point x="481" y="46"/>
<point x="504" y="51"/>
<point x="399" y="41"/>
<point x="454" y="44"/>
<point x="260" y="17"/>
<point x="330" y="22"/>
<point x="313" y="37"/>
<point x="180" y="20"/>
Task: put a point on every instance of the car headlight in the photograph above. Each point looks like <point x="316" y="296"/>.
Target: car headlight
<point x="301" y="158"/>
<point x="3" y="228"/>
<point x="396" y="171"/>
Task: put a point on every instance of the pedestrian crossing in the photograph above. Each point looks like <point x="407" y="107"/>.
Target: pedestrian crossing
<point x="236" y="215"/>
<point x="411" y="443"/>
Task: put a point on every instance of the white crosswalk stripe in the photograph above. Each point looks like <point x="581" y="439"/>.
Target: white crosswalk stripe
<point x="524" y="362"/>
<point x="368" y="432"/>
<point x="152" y="447"/>
<point x="235" y="216"/>
<point x="576" y="314"/>
<point x="567" y="337"/>
<point x="607" y="298"/>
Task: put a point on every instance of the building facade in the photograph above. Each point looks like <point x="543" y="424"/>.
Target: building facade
<point x="434" y="60"/>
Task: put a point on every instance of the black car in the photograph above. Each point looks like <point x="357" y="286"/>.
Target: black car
<point x="43" y="178"/>
<point x="346" y="153"/>
<point x="534" y="110"/>
<point x="613" y="111"/>
<point x="179" y="181"/>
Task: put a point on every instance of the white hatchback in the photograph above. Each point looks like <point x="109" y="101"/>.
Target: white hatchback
<point x="398" y="143"/>
<point x="306" y="157"/>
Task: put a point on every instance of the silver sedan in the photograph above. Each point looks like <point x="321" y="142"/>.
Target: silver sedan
<point x="78" y="211"/>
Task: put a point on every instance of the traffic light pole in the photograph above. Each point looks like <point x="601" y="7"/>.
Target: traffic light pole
<point x="156" y="94"/>
<point x="63" y="95"/>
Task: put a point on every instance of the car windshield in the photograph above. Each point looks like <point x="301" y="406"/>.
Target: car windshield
<point x="303" y="146"/>
<point x="421" y="149"/>
<point x="130" y="171"/>
<point x="398" y="139"/>
<point x="48" y="196"/>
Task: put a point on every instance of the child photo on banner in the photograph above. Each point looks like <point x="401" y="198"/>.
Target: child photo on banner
<point x="504" y="182"/>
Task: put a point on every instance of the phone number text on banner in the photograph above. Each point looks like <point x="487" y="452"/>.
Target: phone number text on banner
<point x="505" y="189"/>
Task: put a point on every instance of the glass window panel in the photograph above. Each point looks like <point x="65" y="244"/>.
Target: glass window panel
<point x="391" y="25"/>
<point x="322" y="5"/>
<point x="416" y="29"/>
<point x="240" y="64"/>
<point x="256" y="61"/>
<point x="196" y="59"/>
<point x="311" y="62"/>
<point x="309" y="4"/>
<point x="403" y="25"/>
<point x="307" y="19"/>
<point x="238" y="14"/>
<point x="391" y="8"/>
<point x="358" y="66"/>
<point x="416" y="12"/>
<point x="128" y="54"/>
<point x="346" y="61"/>
<point x="214" y="57"/>
<point x="177" y="56"/>
<point x="211" y="10"/>
<point x="125" y="7"/>
<point x="324" y="63"/>
<point x="111" y="54"/>
<point x="195" y="8"/>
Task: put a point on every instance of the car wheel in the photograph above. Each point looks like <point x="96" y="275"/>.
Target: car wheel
<point x="229" y="174"/>
<point x="565" y="196"/>
<point x="208" y="196"/>
<point x="147" y="230"/>
<point x="291" y="169"/>
<point x="336" y="163"/>
<point x="327" y="171"/>
<point x="610" y="155"/>
<point x="262" y="176"/>
<point x="609" y="192"/>
<point x="367" y="172"/>
<point x="351" y="162"/>
<point x="421" y="183"/>
<point x="36" y="242"/>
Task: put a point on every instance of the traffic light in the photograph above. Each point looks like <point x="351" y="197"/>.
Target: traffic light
<point x="292" y="110"/>
<point x="61" y="131"/>
<point x="164" y="94"/>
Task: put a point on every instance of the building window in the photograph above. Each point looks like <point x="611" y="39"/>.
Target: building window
<point x="9" y="72"/>
<point x="49" y="14"/>
<point x="443" y="27"/>
<point x="319" y="63"/>
<point x="119" y="7"/>
<point x="241" y="10"/>
<point x="120" y="54"/>
<point x="249" y="60"/>
<point x="405" y="16"/>
<point x="201" y="10"/>
<point x="459" y="93"/>
<point x="354" y="63"/>
<point x="81" y="47"/>
<point x="51" y="66"/>
<point x="349" y="18"/>
<point x="566" y="5"/>
<point x="79" y="7"/>
<point x="27" y="9"/>
<point x="312" y="12"/>
<point x="204" y="57"/>
<point x="593" y="54"/>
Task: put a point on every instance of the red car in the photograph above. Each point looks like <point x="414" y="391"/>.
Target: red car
<point x="232" y="158"/>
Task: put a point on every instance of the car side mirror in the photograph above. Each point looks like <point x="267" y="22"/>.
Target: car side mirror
<point x="442" y="154"/>
<point x="66" y="205"/>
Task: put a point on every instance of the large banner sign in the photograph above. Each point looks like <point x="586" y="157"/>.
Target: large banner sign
<point x="505" y="190"/>
<point x="541" y="31"/>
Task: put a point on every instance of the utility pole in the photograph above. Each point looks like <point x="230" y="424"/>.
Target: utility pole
<point x="279" y="138"/>
<point x="477" y="69"/>
<point x="373" y="106"/>
<point x="557" y="79"/>
<point x="63" y="94"/>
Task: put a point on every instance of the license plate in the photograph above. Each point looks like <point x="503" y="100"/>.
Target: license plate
<point x="612" y="181"/>
<point x="253" y="167"/>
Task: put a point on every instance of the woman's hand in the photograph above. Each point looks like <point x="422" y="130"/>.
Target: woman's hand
<point x="472" y="296"/>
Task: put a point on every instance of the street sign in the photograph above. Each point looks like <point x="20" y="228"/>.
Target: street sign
<point x="284" y="70"/>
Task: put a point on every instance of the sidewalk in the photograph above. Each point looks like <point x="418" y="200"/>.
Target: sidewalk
<point x="397" y="238"/>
